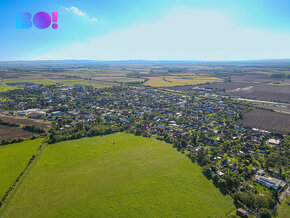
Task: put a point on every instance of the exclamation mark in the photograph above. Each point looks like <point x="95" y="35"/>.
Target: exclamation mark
<point x="54" y="20"/>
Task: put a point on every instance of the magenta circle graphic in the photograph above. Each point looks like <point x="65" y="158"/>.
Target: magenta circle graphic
<point x="41" y="20"/>
<point x="54" y="26"/>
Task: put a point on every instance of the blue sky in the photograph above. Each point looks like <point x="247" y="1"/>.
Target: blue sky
<point x="149" y="29"/>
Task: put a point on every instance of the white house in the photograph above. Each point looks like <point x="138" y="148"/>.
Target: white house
<point x="21" y="113"/>
<point x="260" y="172"/>
<point x="274" y="142"/>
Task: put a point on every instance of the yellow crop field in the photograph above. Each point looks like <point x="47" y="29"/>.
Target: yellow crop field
<point x="55" y="80"/>
<point x="5" y="88"/>
<point x="166" y="81"/>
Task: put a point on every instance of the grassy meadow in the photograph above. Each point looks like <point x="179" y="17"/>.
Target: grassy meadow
<point x="115" y="176"/>
<point x="284" y="208"/>
<point x="13" y="160"/>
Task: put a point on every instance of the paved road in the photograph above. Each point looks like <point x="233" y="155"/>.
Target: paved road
<point x="286" y="192"/>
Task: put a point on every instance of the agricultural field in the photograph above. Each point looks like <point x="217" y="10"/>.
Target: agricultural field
<point x="62" y="81"/>
<point x="266" y="92"/>
<point x="113" y="176"/>
<point x="7" y="132"/>
<point x="13" y="160"/>
<point x="106" y="75"/>
<point x="227" y="86"/>
<point x="167" y="81"/>
<point x="95" y="84"/>
<point x="119" y="79"/>
<point x="25" y="121"/>
<point x="276" y="109"/>
<point x="4" y="88"/>
<point x="254" y="90"/>
<point x="258" y="78"/>
<point x="266" y="120"/>
<point x="26" y="79"/>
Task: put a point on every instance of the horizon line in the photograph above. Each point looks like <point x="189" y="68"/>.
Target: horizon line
<point x="149" y="60"/>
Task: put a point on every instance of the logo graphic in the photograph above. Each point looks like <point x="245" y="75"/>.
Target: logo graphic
<point x="40" y="20"/>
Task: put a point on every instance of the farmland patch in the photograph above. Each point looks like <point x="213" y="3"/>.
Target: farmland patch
<point x="25" y="121"/>
<point x="7" y="132"/>
<point x="266" y="120"/>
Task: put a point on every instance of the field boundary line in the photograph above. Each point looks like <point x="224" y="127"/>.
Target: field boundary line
<point x="229" y="212"/>
<point x="14" y="188"/>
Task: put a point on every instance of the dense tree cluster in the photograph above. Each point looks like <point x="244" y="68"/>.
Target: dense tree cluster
<point x="5" y="123"/>
<point x="34" y="128"/>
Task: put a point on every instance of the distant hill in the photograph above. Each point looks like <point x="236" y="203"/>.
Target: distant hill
<point x="200" y="62"/>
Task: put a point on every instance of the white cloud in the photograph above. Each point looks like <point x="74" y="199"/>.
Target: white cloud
<point x="78" y="12"/>
<point x="184" y="35"/>
<point x="94" y="19"/>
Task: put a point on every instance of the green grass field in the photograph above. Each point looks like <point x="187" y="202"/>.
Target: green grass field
<point x="13" y="160"/>
<point x="4" y="88"/>
<point x="284" y="208"/>
<point x="118" y="175"/>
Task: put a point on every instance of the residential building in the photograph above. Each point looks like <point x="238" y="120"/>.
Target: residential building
<point x="268" y="182"/>
<point x="274" y="142"/>
<point x="241" y="212"/>
<point x="260" y="172"/>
